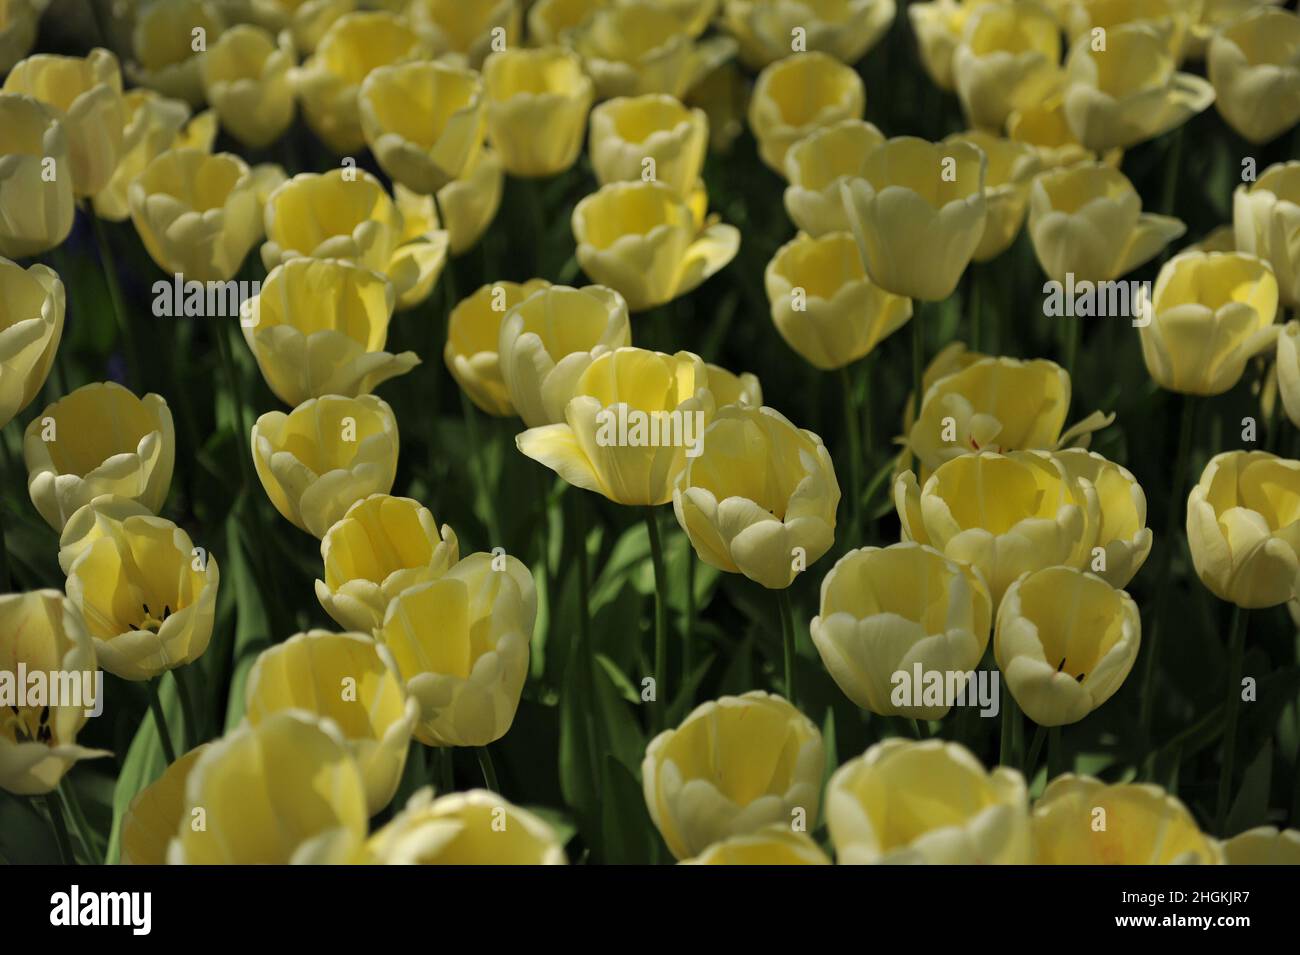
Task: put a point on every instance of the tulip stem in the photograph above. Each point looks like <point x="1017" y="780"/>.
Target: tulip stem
<point x="788" y="635"/>
<point x="1011" y="732"/>
<point x="1035" y="748"/>
<point x="1055" y="754"/>
<point x="190" y="731"/>
<point x="60" y="826"/>
<point x="109" y="264"/>
<point x="482" y="498"/>
<point x="661" y="613"/>
<point x="1236" y="655"/>
<point x="446" y="770"/>
<point x="5" y="584"/>
<point x="855" y="455"/>
<point x="160" y="721"/>
<point x="489" y="771"/>
<point x="85" y="834"/>
<point x="1073" y="332"/>
<point x="918" y="358"/>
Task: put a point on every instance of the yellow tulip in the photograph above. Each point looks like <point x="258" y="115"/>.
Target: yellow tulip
<point x="100" y="439"/>
<point x="32" y="304"/>
<point x="170" y="41"/>
<point x="36" y="197"/>
<point x="351" y="680"/>
<point x="1210" y="314"/>
<point x="537" y="103"/>
<point x="643" y="240"/>
<point x="469" y="204"/>
<point x="652" y="136"/>
<point x="816" y="166"/>
<point x="733" y="767"/>
<point x="825" y="306"/>
<point x="633" y="416"/>
<point x="550" y="20"/>
<point x="728" y="388"/>
<point x="154" y="815"/>
<point x="798" y="95"/>
<point x="247" y="79"/>
<point x="1011" y="168"/>
<point x="86" y="93"/>
<point x="19" y="20"/>
<point x="382" y="546"/>
<point x="1266" y="223"/>
<point x="1254" y="64"/>
<point x="1087" y="220"/>
<point x="1211" y="16"/>
<point x="775" y="845"/>
<point x="1005" y="514"/>
<point x="845" y="29"/>
<point x="1130" y="91"/>
<point x="424" y="122"/>
<point x="938" y="25"/>
<point x="1241" y="528"/>
<point x="329" y="81"/>
<point x="1007" y="59"/>
<point x="477" y="827"/>
<point x="1263" y="845"/>
<point x="461" y="645"/>
<point x="549" y="338"/>
<point x="1288" y="369"/>
<point x="918" y="212"/>
<point x="1170" y="20"/>
<point x="199" y="133"/>
<point x="932" y="802"/>
<point x="1079" y="820"/>
<point x="307" y="20"/>
<point x="345" y="214"/>
<point x="318" y="327"/>
<point x="153" y="125"/>
<point x="469" y="31"/>
<point x="473" y="338"/>
<point x="43" y="632"/>
<point x="309" y="804"/>
<point x="1123" y="540"/>
<point x="1043" y="126"/>
<point x="885" y="611"/>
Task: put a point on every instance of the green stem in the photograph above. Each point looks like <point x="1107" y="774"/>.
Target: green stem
<point x="446" y="771"/>
<point x="160" y="721"/>
<point x="584" y="656"/>
<point x="915" y="726"/>
<point x="60" y="826"/>
<point x="688" y="640"/>
<point x="1055" y="754"/>
<point x="109" y="264"/>
<point x="489" y="771"/>
<point x="483" y="498"/>
<point x="918" y="358"/>
<point x="788" y="644"/>
<point x="1007" y="755"/>
<point x="855" y="455"/>
<point x="190" y="737"/>
<point x="68" y="796"/>
<point x="661" y="615"/>
<point x="975" y="308"/>
<point x="1072" y="333"/>
<point x="5" y="584"/>
<point x="1172" y="168"/>
<point x="1035" y="748"/>
<point x="1236" y="655"/>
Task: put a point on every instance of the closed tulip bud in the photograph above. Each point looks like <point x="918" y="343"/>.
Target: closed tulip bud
<point x="550" y="20"/>
<point x="473" y="339"/>
<point x="1088" y="220"/>
<point x="1170" y="20"/>
<point x="1066" y="640"/>
<point x="1079" y="820"/>
<point x="329" y="81"/>
<point x="1210" y="314"/>
<point x="930" y="803"/>
<point x="86" y="93"/>
<point x="1254" y="64"/>
<point x="1006" y="60"/>
<point x="885" y="611"/>
<point x="308" y="807"/>
<point x="632" y="134"/>
<point x="351" y="680"/>
<point x="43" y="631"/>
<point x="626" y="431"/>
<point x="825" y="306"/>
<point x="246" y="78"/>
<point x="845" y="29"/>
<point x="197" y="214"/>
<point x="728" y="388"/>
<point x="382" y="546"/>
<point x="760" y="497"/>
<point x="36" y="178"/>
<point x="345" y="214"/>
<point x="468" y="31"/>
<point x="477" y="827"/>
<point x="100" y="439"/>
<point x="938" y="25"/>
<point x="1266" y="223"/>
<point x="817" y="165"/>
<point x="19" y="20"/>
<point x="733" y="767"/>
<point x="798" y="95"/>
<point x="461" y="646"/>
<point x="318" y="327"/>
<point x="153" y="125"/>
<point x="424" y="121"/>
<point x="469" y="205"/>
<point x="642" y="239"/>
<point x="1123" y="540"/>
<point x="918" y="213"/>
<point x="1005" y="514"/>
<point x="156" y="813"/>
<point x="1263" y="845"/>
<point x="537" y="103"/>
<point x="775" y="845"/>
<point x="1130" y="91"/>
<point x="548" y="338"/>
<point x="1011" y="169"/>
<point x="1239" y="531"/>
<point x="170" y="42"/>
<point x="32" y="304"/>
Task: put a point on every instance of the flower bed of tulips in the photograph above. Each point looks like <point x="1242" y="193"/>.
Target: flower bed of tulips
<point x="636" y="431"/>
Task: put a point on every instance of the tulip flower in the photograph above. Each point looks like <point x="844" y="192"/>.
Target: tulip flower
<point x="1123" y="540"/>
<point x="309" y="804"/>
<point x="100" y="439"/>
<point x="36" y="208"/>
<point x="1263" y="845"/>
<point x="473" y="337"/>
<point x="816" y="166"/>
<point x="733" y="767"/>
<point x="643" y="240"/>
<point x="477" y="827"/>
<point x="469" y="204"/>
<point x="247" y="79"/>
<point x="537" y="103"/>
<point x="825" y="306"/>
<point x="549" y="338"/>
<point x="1170" y="20"/>
<point x="630" y="132"/>
<point x="1008" y="58"/>
<point x="1011" y="169"/>
<point x="918" y="213"/>
<point x="1240" y="529"/>
<point x="728" y="388"/>
<point x="461" y="646"/>
<point x="1288" y="369"/>
<point x="19" y="20"/>
<point x="775" y="845"/>
<point x="308" y="20"/>
<point x="318" y="327"/>
<point x="1254" y="64"/>
<point x="797" y="96"/>
<point x="885" y="611"/>
<point x="32" y="304"/>
<point x="1210" y="314"/>
<point x="166" y="57"/>
<point x="353" y="681"/>
<point x="1079" y="820"/>
<point x="693" y="15"/>
<point x="382" y="546"/>
<point x="154" y="815"/>
<point x="550" y="20"/>
<point x="153" y="125"/>
<point x="1043" y="126"/>
<point x="932" y="802"/>
<point x="468" y="31"/>
<point x="42" y="631"/>
<point x="845" y="29"/>
<point x="938" y="25"/>
<point x="1266" y="223"/>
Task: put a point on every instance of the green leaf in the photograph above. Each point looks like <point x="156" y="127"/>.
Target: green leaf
<point x="1250" y="808"/>
<point x="629" y="837"/>
<point x="144" y="762"/>
<point x="616" y="676"/>
<point x="251" y="625"/>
